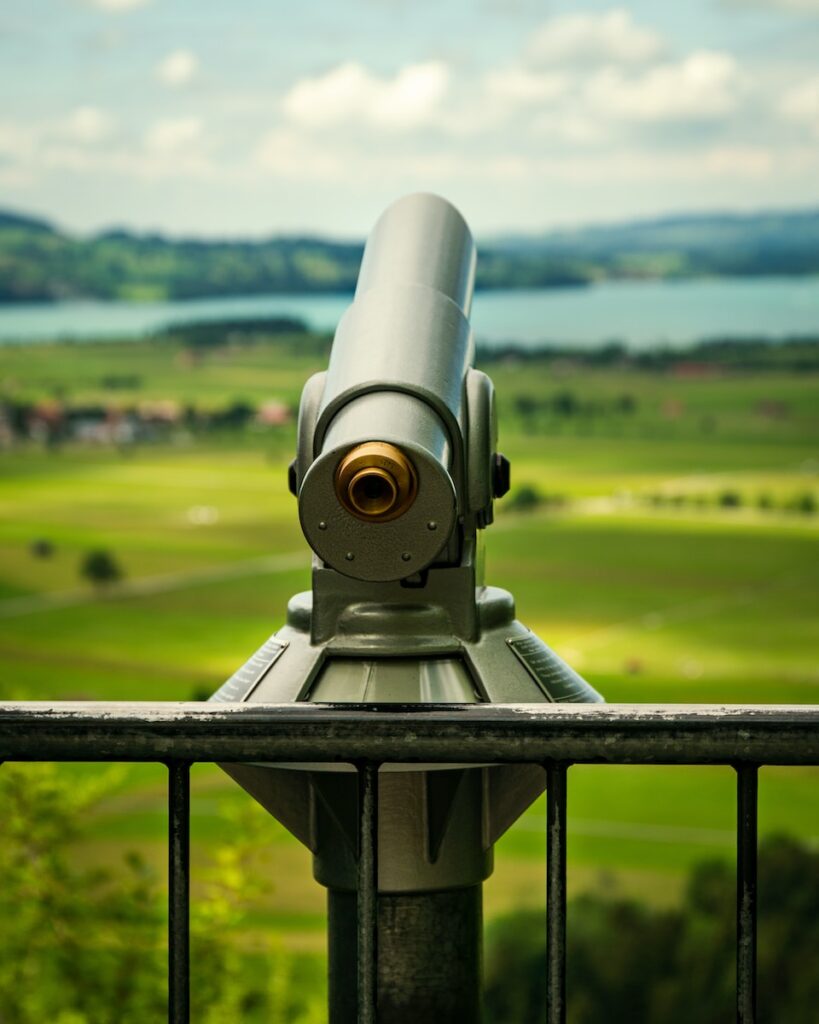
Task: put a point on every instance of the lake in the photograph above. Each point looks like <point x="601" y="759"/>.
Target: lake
<point x="642" y="314"/>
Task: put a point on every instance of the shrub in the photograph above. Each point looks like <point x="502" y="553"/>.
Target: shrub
<point x="87" y="945"/>
<point x="564" y="403"/>
<point x="100" y="568"/>
<point x="525" y="498"/>
<point x="804" y="503"/>
<point x="730" y="499"/>
<point x="628" y="963"/>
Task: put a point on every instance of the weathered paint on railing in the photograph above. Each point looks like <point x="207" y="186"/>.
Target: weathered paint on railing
<point x="535" y="733"/>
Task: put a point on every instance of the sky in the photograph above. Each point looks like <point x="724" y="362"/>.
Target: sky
<point x="259" y="117"/>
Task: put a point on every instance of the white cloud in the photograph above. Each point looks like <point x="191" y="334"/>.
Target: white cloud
<point x="789" y="6"/>
<point x="169" y="135"/>
<point x="169" y="148"/>
<point x="801" y="103"/>
<point x="630" y="166"/>
<point x="739" y="162"/>
<point x="703" y="86"/>
<point x="117" y="6"/>
<point x="572" y="125"/>
<point x="178" y="67"/>
<point x="351" y="93"/>
<point x="17" y="152"/>
<point x="86" y="125"/>
<point x="611" y="37"/>
<point x="289" y="154"/>
<point x="520" y="86"/>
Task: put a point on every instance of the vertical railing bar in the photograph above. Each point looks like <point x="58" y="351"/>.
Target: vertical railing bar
<point x="747" y="793"/>
<point x="556" y="892"/>
<point x="367" y="898"/>
<point x="178" y="892"/>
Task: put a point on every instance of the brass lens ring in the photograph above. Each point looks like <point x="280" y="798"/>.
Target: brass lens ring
<point x="376" y="482"/>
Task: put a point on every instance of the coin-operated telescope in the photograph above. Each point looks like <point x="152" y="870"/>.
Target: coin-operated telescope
<point x="396" y="474"/>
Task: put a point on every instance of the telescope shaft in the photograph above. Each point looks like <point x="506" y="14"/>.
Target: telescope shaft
<point x="398" y="371"/>
<point x="429" y="957"/>
<point x="421" y="240"/>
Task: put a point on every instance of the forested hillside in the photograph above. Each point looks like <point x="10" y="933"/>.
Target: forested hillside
<point x="40" y="262"/>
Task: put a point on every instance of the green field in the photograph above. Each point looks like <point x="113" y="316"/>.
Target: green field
<point x="641" y="575"/>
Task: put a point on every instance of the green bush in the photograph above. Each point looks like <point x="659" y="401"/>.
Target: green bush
<point x="633" y="964"/>
<point x="87" y="945"/>
<point x="804" y="503"/>
<point x="525" y="498"/>
<point x="730" y="499"/>
<point x="100" y="568"/>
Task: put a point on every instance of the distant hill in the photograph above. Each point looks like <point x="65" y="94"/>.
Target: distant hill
<point x="40" y="262"/>
<point x="686" y="245"/>
<point x="12" y="221"/>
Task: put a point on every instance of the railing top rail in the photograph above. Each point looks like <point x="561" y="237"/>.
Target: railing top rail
<point x="446" y="733"/>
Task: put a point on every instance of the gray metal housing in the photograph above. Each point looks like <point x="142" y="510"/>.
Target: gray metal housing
<point x="398" y="612"/>
<point x="400" y="371"/>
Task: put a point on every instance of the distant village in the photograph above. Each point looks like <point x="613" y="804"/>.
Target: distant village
<point x="52" y="422"/>
<point x="122" y="421"/>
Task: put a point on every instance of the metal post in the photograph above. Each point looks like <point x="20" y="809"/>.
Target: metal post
<point x="416" y="956"/>
<point x="556" y="892"/>
<point x="746" y="892"/>
<point x="429" y="957"/>
<point x="178" y="892"/>
<point x="367" y="909"/>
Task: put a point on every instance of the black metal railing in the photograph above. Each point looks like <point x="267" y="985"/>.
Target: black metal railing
<point x="368" y="736"/>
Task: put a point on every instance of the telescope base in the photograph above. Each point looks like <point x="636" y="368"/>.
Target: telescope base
<point x="429" y="956"/>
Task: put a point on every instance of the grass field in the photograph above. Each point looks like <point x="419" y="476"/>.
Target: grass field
<point x="652" y="599"/>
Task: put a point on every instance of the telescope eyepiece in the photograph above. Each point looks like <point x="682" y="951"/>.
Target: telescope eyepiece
<point x="372" y="492"/>
<point x="376" y="482"/>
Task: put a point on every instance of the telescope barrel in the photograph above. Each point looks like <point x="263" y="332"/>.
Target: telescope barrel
<point x="386" y="482"/>
<point x="421" y="240"/>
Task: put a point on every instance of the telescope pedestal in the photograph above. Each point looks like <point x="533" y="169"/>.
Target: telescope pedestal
<point x="437" y="824"/>
<point x="396" y="472"/>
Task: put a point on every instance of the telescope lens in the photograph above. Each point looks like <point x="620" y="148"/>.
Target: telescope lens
<point x="373" y="492"/>
<point x="376" y="482"/>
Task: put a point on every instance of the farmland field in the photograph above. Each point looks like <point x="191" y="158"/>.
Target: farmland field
<point x="669" y="553"/>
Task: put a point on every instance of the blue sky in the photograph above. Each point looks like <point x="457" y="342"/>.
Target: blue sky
<point x="206" y="118"/>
